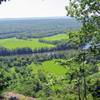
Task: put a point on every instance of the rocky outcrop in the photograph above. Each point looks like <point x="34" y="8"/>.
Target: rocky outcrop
<point x="14" y="96"/>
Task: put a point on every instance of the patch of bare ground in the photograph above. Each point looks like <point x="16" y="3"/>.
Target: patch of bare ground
<point x="15" y="96"/>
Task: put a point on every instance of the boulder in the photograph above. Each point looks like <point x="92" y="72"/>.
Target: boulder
<point x="15" y="96"/>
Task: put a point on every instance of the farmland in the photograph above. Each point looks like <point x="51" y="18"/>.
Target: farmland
<point x="56" y="37"/>
<point x="13" y="43"/>
<point x="33" y="43"/>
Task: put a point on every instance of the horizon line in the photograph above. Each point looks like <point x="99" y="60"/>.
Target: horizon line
<point x="44" y="17"/>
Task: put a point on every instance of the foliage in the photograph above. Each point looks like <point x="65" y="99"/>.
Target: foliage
<point x="88" y="12"/>
<point x="2" y="1"/>
<point x="74" y="75"/>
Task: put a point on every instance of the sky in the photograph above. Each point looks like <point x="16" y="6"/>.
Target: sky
<point x="33" y="8"/>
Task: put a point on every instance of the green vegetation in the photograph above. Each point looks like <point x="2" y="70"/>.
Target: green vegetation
<point x="13" y="43"/>
<point x="53" y="74"/>
<point x="56" y="37"/>
<point x="49" y="67"/>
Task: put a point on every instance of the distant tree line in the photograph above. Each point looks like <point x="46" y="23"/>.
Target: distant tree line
<point x="18" y="51"/>
<point x="26" y="50"/>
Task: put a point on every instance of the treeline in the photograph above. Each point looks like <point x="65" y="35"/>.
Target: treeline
<point x="20" y="61"/>
<point x="41" y="35"/>
<point x="25" y="35"/>
<point x="38" y="56"/>
<point x="21" y="51"/>
<point x="18" y="51"/>
<point x="36" y="28"/>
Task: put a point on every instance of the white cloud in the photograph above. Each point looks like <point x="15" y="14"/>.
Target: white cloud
<point x="33" y="8"/>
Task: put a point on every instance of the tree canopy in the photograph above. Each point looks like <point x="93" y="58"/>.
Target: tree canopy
<point x="88" y="11"/>
<point x="3" y="0"/>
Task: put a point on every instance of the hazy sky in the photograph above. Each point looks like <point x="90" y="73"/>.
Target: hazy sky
<point x="33" y="8"/>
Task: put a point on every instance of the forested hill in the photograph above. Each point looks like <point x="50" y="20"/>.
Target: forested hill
<point x="39" y="27"/>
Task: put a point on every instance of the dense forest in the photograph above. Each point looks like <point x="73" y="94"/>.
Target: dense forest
<point x="52" y="59"/>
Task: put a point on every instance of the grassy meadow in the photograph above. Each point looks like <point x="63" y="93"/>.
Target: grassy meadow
<point x="49" y="67"/>
<point x="57" y="37"/>
<point x="33" y="43"/>
<point x="13" y="43"/>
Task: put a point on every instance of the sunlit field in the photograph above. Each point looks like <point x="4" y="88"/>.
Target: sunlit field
<point x="57" y="37"/>
<point x="13" y="43"/>
<point x="49" y="67"/>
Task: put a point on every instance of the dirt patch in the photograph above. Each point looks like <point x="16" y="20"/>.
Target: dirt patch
<point x="15" y="96"/>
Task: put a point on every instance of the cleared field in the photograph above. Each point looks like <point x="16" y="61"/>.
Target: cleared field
<point x="57" y="37"/>
<point x="13" y="43"/>
<point x="49" y="67"/>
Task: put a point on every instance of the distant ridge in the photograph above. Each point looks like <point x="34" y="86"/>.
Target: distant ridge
<point x="36" y="18"/>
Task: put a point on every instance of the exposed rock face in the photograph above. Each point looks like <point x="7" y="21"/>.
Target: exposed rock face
<point x="15" y="96"/>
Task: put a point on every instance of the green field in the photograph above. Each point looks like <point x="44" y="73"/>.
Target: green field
<point x="49" y="67"/>
<point x="13" y="43"/>
<point x="57" y="37"/>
